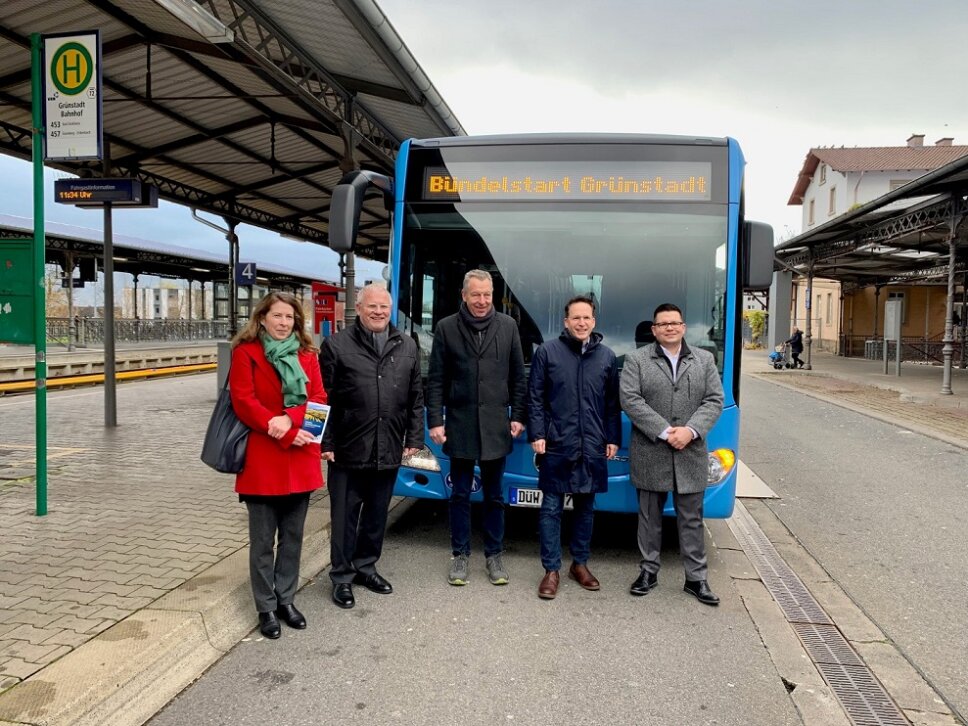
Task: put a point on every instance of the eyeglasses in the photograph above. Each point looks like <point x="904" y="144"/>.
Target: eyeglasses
<point x="668" y="326"/>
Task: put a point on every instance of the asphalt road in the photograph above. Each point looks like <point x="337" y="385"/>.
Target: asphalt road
<point x="882" y="509"/>
<point x="436" y="654"/>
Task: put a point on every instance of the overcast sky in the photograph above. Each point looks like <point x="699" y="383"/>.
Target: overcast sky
<point x="780" y="76"/>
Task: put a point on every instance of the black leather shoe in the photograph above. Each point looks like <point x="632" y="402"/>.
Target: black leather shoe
<point x="643" y="583"/>
<point x="269" y="625"/>
<point x="700" y="589"/>
<point x="291" y="617"/>
<point x="343" y="595"/>
<point x="373" y="583"/>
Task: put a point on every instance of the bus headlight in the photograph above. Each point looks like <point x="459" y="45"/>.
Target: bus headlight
<point x="721" y="462"/>
<point x="423" y="459"/>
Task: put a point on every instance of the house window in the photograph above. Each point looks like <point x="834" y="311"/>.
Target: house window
<point x="830" y="308"/>
<point x="832" y="210"/>
<point x="817" y="309"/>
<point x="823" y="173"/>
<point x="810" y="212"/>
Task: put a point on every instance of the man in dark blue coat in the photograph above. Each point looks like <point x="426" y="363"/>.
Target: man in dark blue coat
<point x="575" y="426"/>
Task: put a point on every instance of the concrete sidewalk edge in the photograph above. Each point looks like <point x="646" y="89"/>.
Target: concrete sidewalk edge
<point x="905" y="684"/>
<point x="129" y="672"/>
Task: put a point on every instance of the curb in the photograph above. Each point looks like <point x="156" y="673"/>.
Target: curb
<point x="129" y="672"/>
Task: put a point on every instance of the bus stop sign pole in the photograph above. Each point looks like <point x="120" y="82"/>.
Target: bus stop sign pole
<point x="40" y="302"/>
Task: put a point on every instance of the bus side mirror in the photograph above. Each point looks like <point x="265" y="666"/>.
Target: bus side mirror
<point x="757" y="256"/>
<point x="347" y="203"/>
<point x="344" y="217"/>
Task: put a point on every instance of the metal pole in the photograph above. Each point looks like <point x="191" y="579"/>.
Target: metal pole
<point x="877" y="305"/>
<point x="69" y="273"/>
<point x="110" y="384"/>
<point x="40" y="302"/>
<point x="964" y="321"/>
<point x="949" y="329"/>
<point x="233" y="240"/>
<point x="349" y="311"/>
<point x="808" y="333"/>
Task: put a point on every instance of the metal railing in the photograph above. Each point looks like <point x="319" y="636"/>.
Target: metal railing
<point x="91" y="330"/>
<point x="924" y="350"/>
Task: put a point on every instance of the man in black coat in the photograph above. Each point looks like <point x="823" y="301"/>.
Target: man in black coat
<point x="476" y="373"/>
<point x="575" y="426"/>
<point x="371" y="373"/>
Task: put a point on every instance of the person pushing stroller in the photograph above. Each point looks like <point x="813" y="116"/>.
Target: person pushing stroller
<point x="796" y="347"/>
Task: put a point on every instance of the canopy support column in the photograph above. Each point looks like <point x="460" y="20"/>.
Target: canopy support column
<point x="949" y="324"/>
<point x="808" y="332"/>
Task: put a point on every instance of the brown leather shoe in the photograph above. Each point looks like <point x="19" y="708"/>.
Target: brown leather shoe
<point x="549" y="585"/>
<point x="581" y="575"/>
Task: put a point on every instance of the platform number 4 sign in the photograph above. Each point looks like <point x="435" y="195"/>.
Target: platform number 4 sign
<point x="245" y="273"/>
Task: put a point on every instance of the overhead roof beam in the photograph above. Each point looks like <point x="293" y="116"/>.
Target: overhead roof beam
<point x="295" y="67"/>
<point x="197" y="138"/>
<point x="277" y="179"/>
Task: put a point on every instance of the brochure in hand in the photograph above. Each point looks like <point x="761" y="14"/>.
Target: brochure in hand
<point x="315" y="420"/>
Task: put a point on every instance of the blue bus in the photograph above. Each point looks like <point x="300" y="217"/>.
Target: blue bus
<point x="630" y="220"/>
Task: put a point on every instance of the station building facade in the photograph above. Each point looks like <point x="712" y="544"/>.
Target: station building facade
<point x="835" y="180"/>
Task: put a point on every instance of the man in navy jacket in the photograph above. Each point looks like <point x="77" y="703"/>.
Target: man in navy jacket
<point x="575" y="426"/>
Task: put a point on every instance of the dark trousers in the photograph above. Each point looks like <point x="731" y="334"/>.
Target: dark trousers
<point x="275" y="523"/>
<point x="692" y="545"/>
<point x="796" y="359"/>
<point x="549" y="529"/>
<point x="359" y="501"/>
<point x="462" y="480"/>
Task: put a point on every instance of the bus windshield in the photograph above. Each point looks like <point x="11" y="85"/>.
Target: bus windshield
<point x="628" y="257"/>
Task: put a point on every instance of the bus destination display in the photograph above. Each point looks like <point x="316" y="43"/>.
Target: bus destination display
<point x="569" y="181"/>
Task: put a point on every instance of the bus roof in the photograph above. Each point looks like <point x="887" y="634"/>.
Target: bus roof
<point x="574" y="138"/>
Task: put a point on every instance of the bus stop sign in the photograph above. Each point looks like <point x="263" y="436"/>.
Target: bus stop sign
<point x="17" y="298"/>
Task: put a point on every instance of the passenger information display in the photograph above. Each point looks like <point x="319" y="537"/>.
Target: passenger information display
<point x="569" y="181"/>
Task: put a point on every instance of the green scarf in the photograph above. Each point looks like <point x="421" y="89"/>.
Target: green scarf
<point x="283" y="354"/>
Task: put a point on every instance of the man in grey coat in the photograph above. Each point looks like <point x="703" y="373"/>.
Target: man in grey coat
<point x="476" y="374"/>
<point x="672" y="394"/>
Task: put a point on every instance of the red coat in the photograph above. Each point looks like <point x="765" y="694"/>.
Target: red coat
<point x="273" y="467"/>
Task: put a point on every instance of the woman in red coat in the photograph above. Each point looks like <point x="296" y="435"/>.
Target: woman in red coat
<point x="274" y="373"/>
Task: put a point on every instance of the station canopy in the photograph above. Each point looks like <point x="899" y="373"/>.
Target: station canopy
<point x="137" y="256"/>
<point x="902" y="237"/>
<point x="247" y="109"/>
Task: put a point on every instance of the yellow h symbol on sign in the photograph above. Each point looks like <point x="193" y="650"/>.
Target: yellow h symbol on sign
<point x="71" y="62"/>
<point x="71" y="68"/>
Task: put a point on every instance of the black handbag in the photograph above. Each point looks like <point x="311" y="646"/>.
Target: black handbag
<point x="226" y="437"/>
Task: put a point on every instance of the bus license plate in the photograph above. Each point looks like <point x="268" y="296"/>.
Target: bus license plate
<point x="532" y="498"/>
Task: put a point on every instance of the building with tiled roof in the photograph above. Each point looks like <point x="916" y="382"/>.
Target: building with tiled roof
<point x="832" y="180"/>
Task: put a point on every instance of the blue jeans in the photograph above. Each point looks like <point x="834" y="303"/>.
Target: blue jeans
<point x="462" y="478"/>
<point x="549" y="529"/>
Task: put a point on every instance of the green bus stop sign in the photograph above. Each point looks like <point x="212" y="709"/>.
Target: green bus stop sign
<point x="17" y="297"/>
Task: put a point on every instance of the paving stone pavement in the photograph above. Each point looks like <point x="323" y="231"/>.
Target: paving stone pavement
<point x="132" y="514"/>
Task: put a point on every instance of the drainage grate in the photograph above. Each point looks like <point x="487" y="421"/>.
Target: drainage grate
<point x="787" y="589"/>
<point x="825" y="644"/>
<point x="863" y="698"/>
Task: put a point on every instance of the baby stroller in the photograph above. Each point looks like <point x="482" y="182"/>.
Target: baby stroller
<point x="779" y="358"/>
